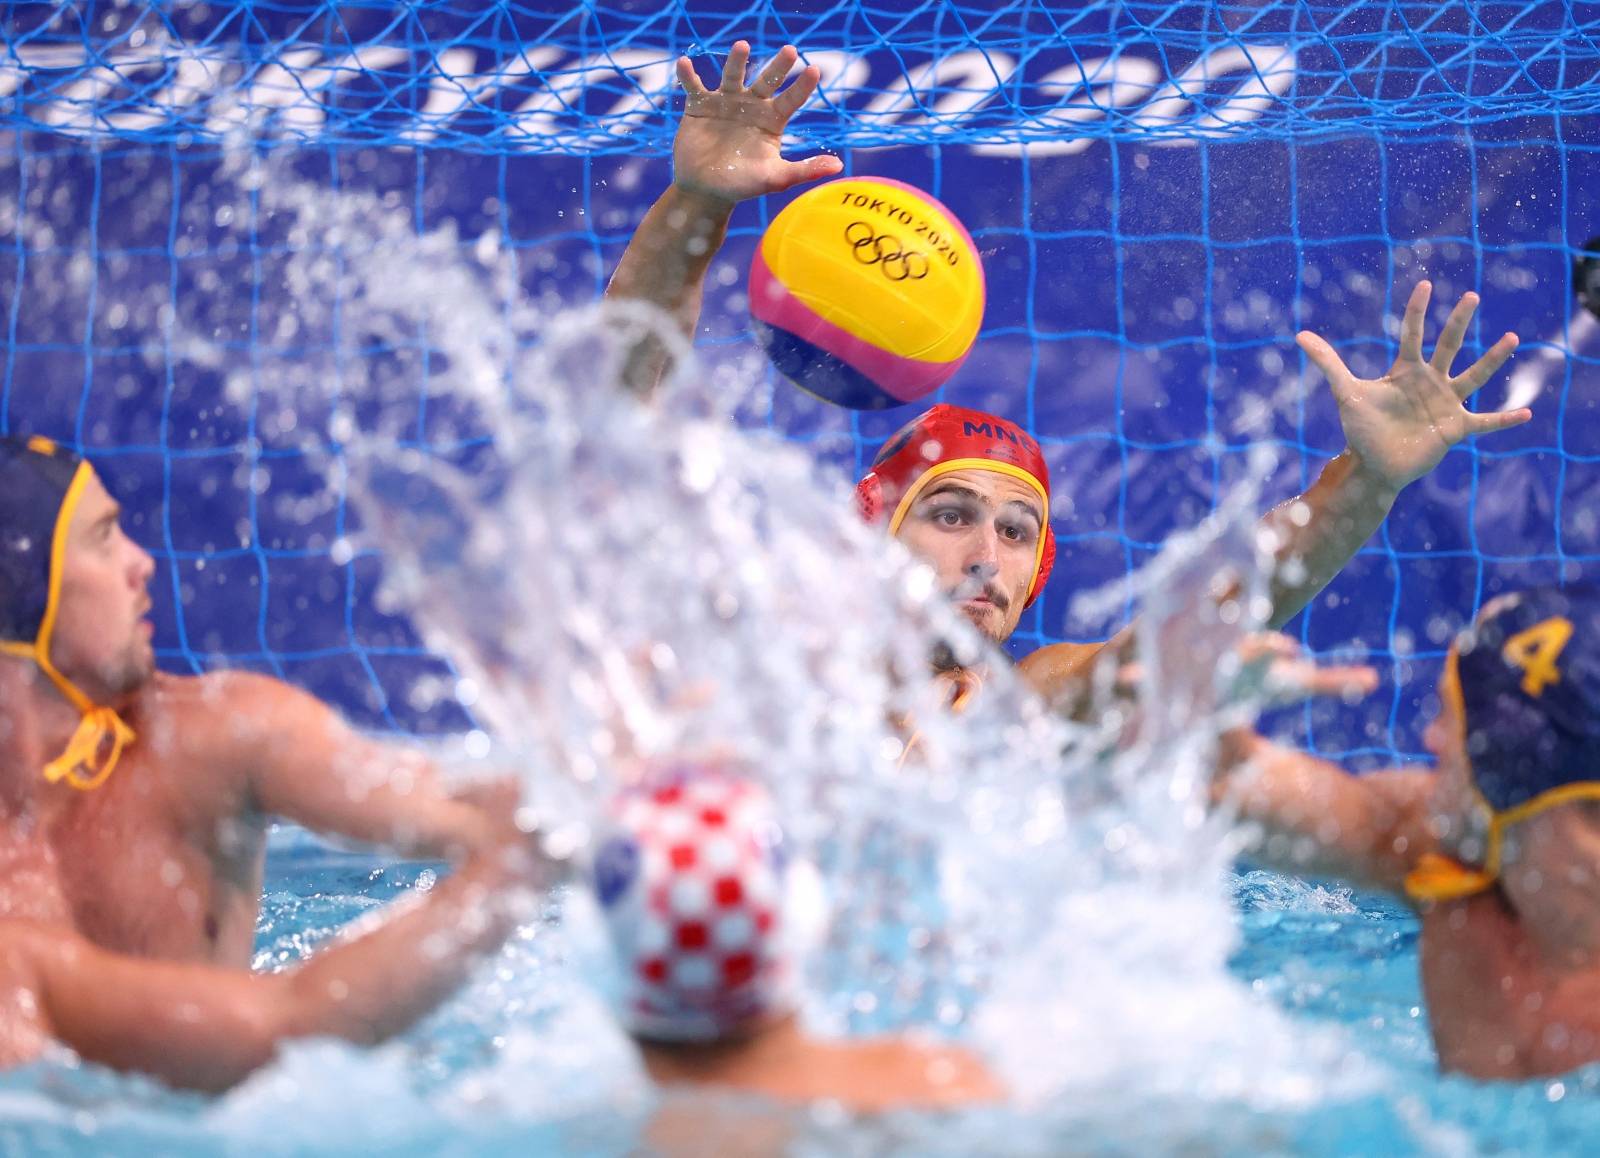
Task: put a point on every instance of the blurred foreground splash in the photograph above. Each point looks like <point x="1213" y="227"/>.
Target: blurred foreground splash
<point x="619" y="583"/>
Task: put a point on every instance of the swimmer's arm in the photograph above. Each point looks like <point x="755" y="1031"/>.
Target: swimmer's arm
<point x="868" y="1076"/>
<point x="1319" y="531"/>
<point x="1063" y="674"/>
<point x="307" y="765"/>
<point x="727" y="150"/>
<point x="1308" y="816"/>
<point x="205" y="1028"/>
<point x="665" y="265"/>
<point x="1398" y="428"/>
<point x="25" y="1031"/>
<point x="1570" y="1017"/>
<point x="1077" y="680"/>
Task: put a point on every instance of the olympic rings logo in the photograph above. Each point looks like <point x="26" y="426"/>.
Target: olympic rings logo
<point x="884" y="250"/>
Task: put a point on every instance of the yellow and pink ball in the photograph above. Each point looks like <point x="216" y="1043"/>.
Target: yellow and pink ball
<point x="867" y="293"/>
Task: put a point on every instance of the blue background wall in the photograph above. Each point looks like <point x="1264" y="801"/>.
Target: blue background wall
<point x="1145" y="280"/>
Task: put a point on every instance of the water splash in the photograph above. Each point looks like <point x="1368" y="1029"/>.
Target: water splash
<point x="617" y="583"/>
<point x="623" y="583"/>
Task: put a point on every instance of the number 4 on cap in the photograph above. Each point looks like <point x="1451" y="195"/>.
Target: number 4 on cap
<point x="1536" y="650"/>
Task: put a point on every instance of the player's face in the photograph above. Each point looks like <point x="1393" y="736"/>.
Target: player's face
<point x="102" y="638"/>
<point x="979" y="530"/>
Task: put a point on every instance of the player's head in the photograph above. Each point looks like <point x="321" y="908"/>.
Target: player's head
<point x="72" y="595"/>
<point x="970" y="494"/>
<point x="1518" y="731"/>
<point x="699" y="900"/>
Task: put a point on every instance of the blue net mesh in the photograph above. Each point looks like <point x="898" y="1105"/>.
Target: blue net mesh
<point x="1163" y="192"/>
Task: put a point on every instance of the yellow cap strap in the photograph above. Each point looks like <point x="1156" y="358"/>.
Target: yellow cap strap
<point x="1439" y="878"/>
<point x="99" y="725"/>
<point x="968" y="685"/>
<point x="95" y="729"/>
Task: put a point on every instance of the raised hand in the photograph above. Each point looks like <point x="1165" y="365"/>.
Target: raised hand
<point x="1270" y="669"/>
<point x="729" y="143"/>
<point x="1274" y="670"/>
<point x="1400" y="425"/>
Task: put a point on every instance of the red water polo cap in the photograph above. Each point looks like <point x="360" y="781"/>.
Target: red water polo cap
<point x="949" y="438"/>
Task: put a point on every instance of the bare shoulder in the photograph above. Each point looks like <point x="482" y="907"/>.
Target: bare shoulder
<point x="206" y="724"/>
<point x="1056" y="665"/>
<point x="246" y="701"/>
<point x="221" y="688"/>
<point x="892" y="1073"/>
<point x="1403" y="787"/>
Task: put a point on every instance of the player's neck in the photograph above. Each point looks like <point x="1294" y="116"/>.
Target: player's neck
<point x="943" y="662"/>
<point x="1552" y="886"/>
<point x="735" y="1062"/>
<point x="35" y="723"/>
<point x="37" y="719"/>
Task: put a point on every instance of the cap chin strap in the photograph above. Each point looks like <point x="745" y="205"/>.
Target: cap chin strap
<point x="80" y="765"/>
<point x="94" y="730"/>
<point x="1437" y="877"/>
<point x="1441" y="878"/>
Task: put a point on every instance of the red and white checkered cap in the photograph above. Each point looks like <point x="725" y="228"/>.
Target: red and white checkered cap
<point x="690" y="871"/>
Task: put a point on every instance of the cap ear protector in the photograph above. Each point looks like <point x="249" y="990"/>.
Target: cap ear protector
<point x="869" y="497"/>
<point x="1523" y="684"/>
<point x="41" y="485"/>
<point x="1047" y="561"/>
<point x="952" y="437"/>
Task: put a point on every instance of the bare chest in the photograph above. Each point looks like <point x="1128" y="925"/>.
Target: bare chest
<point x="146" y="872"/>
<point x="30" y="880"/>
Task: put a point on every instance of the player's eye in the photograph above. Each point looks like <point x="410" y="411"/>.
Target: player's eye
<point x="947" y="516"/>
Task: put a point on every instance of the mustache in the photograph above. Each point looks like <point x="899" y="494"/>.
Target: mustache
<point x="972" y="588"/>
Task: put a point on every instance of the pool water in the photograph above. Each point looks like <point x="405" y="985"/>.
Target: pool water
<point x="1332" y="955"/>
<point x="526" y="1062"/>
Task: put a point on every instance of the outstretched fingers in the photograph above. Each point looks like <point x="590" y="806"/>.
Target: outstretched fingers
<point x="770" y="77"/>
<point x="1494" y="421"/>
<point x="811" y="169"/>
<point x="1288" y="674"/>
<point x="1412" y="322"/>
<point x="1485" y="367"/>
<point x="733" y="68"/>
<point x="1454" y="332"/>
<point x="1301" y="678"/>
<point x="689" y="79"/>
<point x="787" y="103"/>
<point x="1322" y="356"/>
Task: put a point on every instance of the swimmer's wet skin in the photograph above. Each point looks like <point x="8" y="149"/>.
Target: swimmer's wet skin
<point x="702" y="903"/>
<point x="207" y="1028"/>
<point x="1499" y="847"/>
<point x="115" y="775"/>
<point x="1397" y="427"/>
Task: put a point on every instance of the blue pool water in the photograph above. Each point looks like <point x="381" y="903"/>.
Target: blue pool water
<point x="1351" y="958"/>
<point x="511" y="1067"/>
